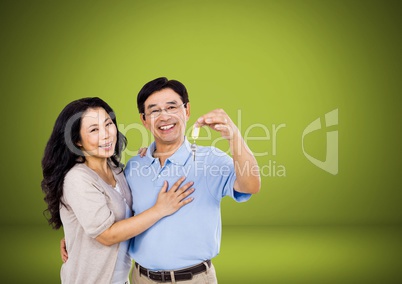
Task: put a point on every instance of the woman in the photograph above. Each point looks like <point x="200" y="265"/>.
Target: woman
<point x="87" y="194"/>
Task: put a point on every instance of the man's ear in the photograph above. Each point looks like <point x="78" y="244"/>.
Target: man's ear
<point x="142" y="117"/>
<point x="187" y="111"/>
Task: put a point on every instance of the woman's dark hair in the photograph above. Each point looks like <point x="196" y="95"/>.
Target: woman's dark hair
<point x="157" y="85"/>
<point x="61" y="152"/>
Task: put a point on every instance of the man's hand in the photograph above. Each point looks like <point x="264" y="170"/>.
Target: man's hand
<point x="246" y="166"/>
<point x="219" y="121"/>
<point x="63" y="250"/>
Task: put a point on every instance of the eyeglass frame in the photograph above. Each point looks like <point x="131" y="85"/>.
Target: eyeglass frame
<point x="159" y="111"/>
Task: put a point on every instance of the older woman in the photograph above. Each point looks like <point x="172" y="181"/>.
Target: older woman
<point x="86" y="193"/>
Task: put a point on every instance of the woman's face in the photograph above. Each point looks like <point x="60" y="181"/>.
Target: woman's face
<point x="98" y="133"/>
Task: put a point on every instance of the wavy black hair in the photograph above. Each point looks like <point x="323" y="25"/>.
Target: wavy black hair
<point x="61" y="152"/>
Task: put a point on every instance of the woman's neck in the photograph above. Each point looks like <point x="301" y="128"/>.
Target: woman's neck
<point x="101" y="167"/>
<point x="97" y="164"/>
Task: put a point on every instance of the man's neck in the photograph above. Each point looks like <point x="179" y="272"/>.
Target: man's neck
<point x="163" y="151"/>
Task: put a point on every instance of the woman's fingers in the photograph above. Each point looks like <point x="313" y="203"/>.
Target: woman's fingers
<point x="178" y="194"/>
<point x="164" y="187"/>
<point x="177" y="184"/>
<point x="142" y="151"/>
<point x="186" y="193"/>
<point x="186" y="201"/>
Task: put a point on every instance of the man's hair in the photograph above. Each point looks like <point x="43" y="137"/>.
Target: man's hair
<point x="159" y="84"/>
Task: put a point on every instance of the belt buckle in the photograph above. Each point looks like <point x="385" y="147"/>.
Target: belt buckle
<point x="163" y="276"/>
<point x="151" y="273"/>
<point x="148" y="274"/>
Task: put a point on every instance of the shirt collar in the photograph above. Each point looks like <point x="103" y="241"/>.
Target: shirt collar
<point x="179" y="157"/>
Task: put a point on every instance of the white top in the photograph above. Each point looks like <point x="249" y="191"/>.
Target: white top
<point x="123" y="263"/>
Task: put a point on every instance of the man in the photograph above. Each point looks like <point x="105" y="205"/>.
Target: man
<point x="180" y="247"/>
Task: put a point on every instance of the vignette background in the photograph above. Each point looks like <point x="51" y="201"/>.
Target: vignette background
<point x="264" y="62"/>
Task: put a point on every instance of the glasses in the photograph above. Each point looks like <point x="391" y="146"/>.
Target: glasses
<point x="169" y="110"/>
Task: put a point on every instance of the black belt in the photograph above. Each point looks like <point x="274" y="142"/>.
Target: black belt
<point x="179" y="275"/>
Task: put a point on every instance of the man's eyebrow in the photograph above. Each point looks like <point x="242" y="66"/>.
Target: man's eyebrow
<point x="151" y="106"/>
<point x="174" y="102"/>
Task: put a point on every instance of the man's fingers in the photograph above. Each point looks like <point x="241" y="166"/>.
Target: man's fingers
<point x="63" y="249"/>
<point x="64" y="257"/>
<point x="217" y="116"/>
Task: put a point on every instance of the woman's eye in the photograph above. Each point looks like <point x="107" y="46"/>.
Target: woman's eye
<point x="93" y="130"/>
<point x="110" y="123"/>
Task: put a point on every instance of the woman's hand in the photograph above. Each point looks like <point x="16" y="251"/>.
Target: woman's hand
<point x="169" y="201"/>
<point x="142" y="151"/>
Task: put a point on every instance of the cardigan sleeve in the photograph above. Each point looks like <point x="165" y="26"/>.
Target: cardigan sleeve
<point x="86" y="198"/>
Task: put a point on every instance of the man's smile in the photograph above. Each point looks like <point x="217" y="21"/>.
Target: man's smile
<point x="167" y="127"/>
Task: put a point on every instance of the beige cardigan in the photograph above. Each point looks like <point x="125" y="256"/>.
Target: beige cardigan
<point x="91" y="206"/>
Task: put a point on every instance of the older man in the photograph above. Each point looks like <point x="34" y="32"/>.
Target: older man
<point x="180" y="247"/>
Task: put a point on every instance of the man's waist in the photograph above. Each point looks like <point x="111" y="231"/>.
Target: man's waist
<point x="172" y="265"/>
<point x="179" y="274"/>
<point x="165" y="256"/>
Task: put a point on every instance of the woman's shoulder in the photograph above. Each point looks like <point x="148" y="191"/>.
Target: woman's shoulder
<point x="80" y="172"/>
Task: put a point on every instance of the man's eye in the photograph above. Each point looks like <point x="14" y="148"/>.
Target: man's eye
<point x="155" y="111"/>
<point x="172" y="107"/>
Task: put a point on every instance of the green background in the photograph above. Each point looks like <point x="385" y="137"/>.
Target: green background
<point x="266" y="63"/>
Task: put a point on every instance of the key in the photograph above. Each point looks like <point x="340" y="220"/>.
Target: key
<point x="195" y="132"/>
<point x="194" y="135"/>
<point x="193" y="149"/>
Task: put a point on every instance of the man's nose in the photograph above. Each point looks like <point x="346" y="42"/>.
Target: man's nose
<point x="164" y="113"/>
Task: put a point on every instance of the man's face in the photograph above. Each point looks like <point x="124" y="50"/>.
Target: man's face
<point x="166" y="116"/>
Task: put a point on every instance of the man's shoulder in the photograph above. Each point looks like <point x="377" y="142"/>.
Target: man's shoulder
<point x="136" y="161"/>
<point x="135" y="158"/>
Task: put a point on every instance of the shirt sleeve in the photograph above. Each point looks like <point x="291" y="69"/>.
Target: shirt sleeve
<point x="221" y="176"/>
<point x="88" y="201"/>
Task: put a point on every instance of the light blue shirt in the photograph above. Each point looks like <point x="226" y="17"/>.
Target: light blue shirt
<point x="192" y="234"/>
